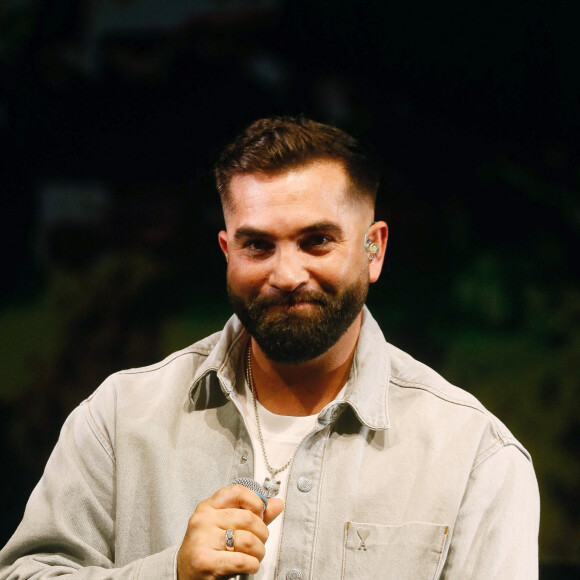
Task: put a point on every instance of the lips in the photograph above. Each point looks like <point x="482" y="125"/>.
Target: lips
<point x="295" y="305"/>
<point x="293" y="300"/>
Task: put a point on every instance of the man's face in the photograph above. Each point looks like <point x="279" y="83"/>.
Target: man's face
<point x="298" y="273"/>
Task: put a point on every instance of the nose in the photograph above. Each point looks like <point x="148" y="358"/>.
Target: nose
<point x="288" y="271"/>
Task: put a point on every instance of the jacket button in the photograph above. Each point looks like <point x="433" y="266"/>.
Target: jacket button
<point x="304" y="483"/>
<point x="294" y="574"/>
<point x="243" y="458"/>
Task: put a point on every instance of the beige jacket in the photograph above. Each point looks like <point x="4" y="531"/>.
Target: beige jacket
<point x="411" y="477"/>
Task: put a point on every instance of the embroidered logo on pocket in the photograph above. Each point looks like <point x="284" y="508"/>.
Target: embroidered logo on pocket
<point x="405" y="551"/>
<point x="363" y="534"/>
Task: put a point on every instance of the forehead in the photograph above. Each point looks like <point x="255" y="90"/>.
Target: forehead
<point x="318" y="191"/>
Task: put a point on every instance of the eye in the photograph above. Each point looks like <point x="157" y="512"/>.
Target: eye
<point x="258" y="247"/>
<point x="317" y="243"/>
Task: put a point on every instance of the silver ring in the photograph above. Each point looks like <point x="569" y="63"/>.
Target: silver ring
<point x="230" y="540"/>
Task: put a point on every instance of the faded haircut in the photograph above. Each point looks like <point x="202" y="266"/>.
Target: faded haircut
<point x="278" y="144"/>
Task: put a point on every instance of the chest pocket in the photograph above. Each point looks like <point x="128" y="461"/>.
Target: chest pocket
<point x="410" y="551"/>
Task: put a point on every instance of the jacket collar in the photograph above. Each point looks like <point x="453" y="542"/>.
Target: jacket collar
<point x="223" y="357"/>
<point x="368" y="384"/>
<point x="367" y="387"/>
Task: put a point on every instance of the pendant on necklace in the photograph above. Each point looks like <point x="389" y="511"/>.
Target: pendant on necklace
<point x="271" y="486"/>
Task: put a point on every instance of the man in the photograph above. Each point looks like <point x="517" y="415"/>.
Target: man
<point x="385" y="469"/>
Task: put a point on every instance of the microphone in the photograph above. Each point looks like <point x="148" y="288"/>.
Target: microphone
<point x="254" y="486"/>
<point x="260" y="491"/>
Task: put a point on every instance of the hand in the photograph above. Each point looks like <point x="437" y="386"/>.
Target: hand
<point x="203" y="554"/>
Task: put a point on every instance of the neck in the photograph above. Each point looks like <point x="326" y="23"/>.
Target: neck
<point x="305" y="388"/>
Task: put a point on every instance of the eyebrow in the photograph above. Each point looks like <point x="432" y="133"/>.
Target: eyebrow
<point x="323" y="226"/>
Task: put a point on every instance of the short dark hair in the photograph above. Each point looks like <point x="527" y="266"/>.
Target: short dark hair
<point x="277" y="144"/>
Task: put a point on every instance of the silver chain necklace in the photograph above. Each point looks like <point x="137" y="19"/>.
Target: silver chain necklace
<point x="271" y="485"/>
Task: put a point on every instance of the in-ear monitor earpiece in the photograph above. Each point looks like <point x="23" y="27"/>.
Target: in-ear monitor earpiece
<point x="371" y="247"/>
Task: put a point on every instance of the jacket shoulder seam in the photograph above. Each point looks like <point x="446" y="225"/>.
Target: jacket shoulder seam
<point x="501" y="439"/>
<point x="437" y="393"/>
<point x="97" y="432"/>
<point x="477" y="406"/>
<point x="157" y="366"/>
<point x="498" y="446"/>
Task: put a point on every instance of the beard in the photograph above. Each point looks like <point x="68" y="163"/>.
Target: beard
<point x="291" y="336"/>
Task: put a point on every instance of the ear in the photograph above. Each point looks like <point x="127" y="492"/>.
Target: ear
<point x="378" y="234"/>
<point x="223" y="241"/>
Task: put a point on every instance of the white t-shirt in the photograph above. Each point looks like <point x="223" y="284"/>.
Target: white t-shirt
<point x="282" y="436"/>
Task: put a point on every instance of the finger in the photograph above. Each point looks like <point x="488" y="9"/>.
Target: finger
<point x="247" y="543"/>
<point x="228" y="564"/>
<point x="234" y="496"/>
<point x="274" y="509"/>
<point x="239" y="519"/>
<point x="215" y="564"/>
<point x="204" y="554"/>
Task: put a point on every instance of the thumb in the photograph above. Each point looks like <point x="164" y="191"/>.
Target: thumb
<point x="274" y="509"/>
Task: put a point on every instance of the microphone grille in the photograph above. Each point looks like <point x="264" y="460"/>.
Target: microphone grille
<point x="254" y="486"/>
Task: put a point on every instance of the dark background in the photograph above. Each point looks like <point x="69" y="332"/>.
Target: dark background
<point x="112" y="112"/>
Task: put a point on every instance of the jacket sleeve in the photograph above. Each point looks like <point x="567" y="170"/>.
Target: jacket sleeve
<point x="68" y="528"/>
<point x="496" y="532"/>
